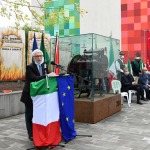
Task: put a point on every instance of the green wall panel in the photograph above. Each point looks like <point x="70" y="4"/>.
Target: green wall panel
<point x="69" y="27"/>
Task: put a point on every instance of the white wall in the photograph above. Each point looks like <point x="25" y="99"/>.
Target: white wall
<point x="103" y="17"/>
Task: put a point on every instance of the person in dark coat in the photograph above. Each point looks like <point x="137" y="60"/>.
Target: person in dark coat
<point x="33" y="73"/>
<point x="136" y="65"/>
<point x="144" y="80"/>
<point x="128" y="83"/>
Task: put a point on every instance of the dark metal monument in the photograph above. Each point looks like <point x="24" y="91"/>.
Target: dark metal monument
<point x="88" y="58"/>
<point x="91" y="72"/>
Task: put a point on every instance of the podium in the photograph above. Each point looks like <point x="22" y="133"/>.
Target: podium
<point x="53" y="109"/>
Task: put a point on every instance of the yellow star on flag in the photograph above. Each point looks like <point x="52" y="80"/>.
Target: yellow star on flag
<point x="68" y="87"/>
<point x="62" y="104"/>
<point x="64" y="94"/>
<point x="67" y="119"/>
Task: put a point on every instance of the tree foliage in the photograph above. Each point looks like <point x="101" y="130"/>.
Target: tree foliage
<point x="14" y="9"/>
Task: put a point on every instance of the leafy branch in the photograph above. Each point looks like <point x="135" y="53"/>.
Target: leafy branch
<point x="46" y="16"/>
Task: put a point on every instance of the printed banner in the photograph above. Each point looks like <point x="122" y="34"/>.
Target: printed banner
<point x="12" y="54"/>
<point x="38" y="36"/>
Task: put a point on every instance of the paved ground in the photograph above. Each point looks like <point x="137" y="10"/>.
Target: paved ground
<point x="126" y="130"/>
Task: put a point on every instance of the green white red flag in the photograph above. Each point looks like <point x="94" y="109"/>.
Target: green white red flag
<point x="46" y="124"/>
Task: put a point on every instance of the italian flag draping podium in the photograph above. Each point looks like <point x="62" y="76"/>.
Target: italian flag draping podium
<point x="53" y="110"/>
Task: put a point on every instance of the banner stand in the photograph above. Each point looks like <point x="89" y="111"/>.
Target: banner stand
<point x="49" y="147"/>
<point x="61" y="145"/>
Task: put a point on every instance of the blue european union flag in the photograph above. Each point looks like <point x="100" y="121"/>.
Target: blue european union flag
<point x="66" y="106"/>
<point x="35" y="46"/>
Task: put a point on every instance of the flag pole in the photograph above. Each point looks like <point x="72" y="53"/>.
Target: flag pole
<point x="129" y="63"/>
<point x="144" y="42"/>
<point x="56" y="46"/>
<point x="56" y="55"/>
<point x="145" y="52"/>
<point x="45" y="66"/>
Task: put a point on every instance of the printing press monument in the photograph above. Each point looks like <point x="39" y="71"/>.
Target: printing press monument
<point x="87" y="57"/>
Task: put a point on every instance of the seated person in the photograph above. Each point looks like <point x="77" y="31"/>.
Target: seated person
<point x="128" y="83"/>
<point x="145" y="82"/>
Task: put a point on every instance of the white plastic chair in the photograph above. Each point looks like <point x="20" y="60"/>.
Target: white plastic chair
<point x="130" y="96"/>
<point x="144" y="93"/>
<point x="134" y="92"/>
<point x="116" y="86"/>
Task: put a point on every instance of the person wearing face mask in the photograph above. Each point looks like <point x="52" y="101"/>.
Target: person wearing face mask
<point x="137" y="66"/>
<point x="34" y="72"/>
<point x="145" y="82"/>
<point x="128" y="83"/>
<point x="119" y="64"/>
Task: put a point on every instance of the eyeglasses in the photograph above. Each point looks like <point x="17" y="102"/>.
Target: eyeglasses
<point x="38" y="56"/>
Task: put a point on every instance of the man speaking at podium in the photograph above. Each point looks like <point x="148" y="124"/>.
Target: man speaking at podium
<point x="35" y="71"/>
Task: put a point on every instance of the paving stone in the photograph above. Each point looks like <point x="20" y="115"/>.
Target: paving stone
<point x="125" y="130"/>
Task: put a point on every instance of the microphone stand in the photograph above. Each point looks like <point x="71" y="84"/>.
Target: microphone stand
<point x="60" y="67"/>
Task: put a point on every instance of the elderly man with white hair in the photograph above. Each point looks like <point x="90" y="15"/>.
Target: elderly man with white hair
<point x="34" y="72"/>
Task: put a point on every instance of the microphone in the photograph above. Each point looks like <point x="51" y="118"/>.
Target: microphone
<point x="57" y="65"/>
<point x="45" y="67"/>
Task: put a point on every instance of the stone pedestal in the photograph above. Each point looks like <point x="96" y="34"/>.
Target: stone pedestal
<point x="88" y="111"/>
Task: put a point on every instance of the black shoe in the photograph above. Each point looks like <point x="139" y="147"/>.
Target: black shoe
<point x="31" y="138"/>
<point x="144" y="99"/>
<point x="139" y="103"/>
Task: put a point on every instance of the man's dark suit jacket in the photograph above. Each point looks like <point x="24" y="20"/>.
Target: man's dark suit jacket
<point x="126" y="82"/>
<point x="136" y="67"/>
<point x="32" y="74"/>
<point x="144" y="79"/>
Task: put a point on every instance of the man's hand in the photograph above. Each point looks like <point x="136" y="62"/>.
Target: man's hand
<point x="148" y="85"/>
<point x="51" y="74"/>
<point x="133" y="83"/>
